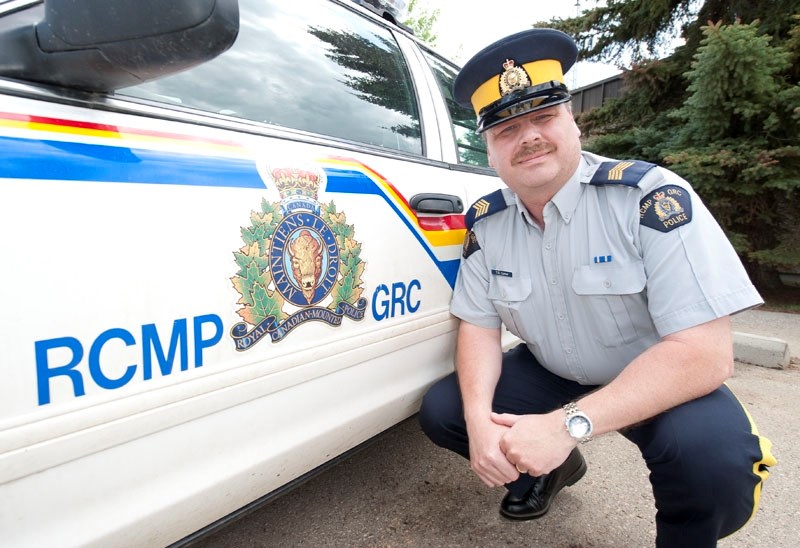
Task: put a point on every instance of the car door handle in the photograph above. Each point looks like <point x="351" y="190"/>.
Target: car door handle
<point x="436" y="203"/>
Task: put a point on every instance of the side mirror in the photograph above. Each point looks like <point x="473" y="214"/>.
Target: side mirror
<point x="104" y="45"/>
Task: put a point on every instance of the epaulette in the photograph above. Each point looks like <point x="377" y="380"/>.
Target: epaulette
<point x="488" y="205"/>
<point x="626" y="172"/>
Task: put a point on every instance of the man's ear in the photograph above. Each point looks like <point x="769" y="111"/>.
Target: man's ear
<point x="489" y="158"/>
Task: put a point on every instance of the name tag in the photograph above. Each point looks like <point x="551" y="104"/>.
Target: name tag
<point x="502" y="273"/>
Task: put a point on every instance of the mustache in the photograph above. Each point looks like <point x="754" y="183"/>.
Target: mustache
<point x="530" y="150"/>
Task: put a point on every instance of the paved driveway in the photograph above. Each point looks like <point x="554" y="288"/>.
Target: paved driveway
<point x="403" y="491"/>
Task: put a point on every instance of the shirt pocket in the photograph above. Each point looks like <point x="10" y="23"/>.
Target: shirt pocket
<point x="614" y="300"/>
<point x="508" y="296"/>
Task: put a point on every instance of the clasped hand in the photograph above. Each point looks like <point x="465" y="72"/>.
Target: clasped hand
<point x="535" y="444"/>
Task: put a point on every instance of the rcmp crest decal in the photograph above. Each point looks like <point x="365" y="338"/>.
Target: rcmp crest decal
<point x="299" y="263"/>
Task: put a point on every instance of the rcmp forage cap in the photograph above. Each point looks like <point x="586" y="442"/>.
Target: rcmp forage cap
<point x="518" y="74"/>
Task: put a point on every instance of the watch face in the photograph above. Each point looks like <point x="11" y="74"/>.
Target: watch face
<point x="579" y="426"/>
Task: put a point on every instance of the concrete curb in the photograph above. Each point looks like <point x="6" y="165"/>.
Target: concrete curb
<point x="764" y="351"/>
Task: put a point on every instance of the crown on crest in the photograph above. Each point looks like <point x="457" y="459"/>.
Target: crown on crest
<point x="509" y="64"/>
<point x="296" y="182"/>
<point x="659" y="196"/>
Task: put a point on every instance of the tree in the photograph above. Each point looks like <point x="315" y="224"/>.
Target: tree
<point x="723" y="110"/>
<point x="738" y="140"/>
<point x="640" y="27"/>
<point x="422" y="21"/>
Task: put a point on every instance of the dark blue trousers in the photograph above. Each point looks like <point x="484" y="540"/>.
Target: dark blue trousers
<point x="706" y="460"/>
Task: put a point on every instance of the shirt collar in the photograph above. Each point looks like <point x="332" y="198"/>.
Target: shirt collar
<point x="566" y="199"/>
<point x="523" y="211"/>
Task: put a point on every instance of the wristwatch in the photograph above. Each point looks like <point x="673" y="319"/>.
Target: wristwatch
<point x="579" y="426"/>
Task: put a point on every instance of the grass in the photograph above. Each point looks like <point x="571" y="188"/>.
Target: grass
<point x="781" y="299"/>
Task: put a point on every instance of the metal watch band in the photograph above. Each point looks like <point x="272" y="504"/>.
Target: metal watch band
<point x="571" y="410"/>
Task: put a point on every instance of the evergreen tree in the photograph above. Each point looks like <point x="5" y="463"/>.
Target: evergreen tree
<point x="738" y="140"/>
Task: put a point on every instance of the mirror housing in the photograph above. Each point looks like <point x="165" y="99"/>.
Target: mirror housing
<point x="105" y="45"/>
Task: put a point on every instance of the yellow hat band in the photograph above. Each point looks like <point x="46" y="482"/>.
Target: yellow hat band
<point x="541" y="71"/>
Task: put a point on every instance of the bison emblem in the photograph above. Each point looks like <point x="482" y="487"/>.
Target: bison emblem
<point x="306" y="259"/>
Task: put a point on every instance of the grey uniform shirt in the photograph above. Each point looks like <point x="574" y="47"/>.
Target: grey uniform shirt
<point x="617" y="266"/>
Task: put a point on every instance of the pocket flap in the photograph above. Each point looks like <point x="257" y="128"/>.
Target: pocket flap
<point x="502" y="288"/>
<point x="620" y="279"/>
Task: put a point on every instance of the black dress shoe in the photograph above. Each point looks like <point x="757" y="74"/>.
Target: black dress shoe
<point x="536" y="501"/>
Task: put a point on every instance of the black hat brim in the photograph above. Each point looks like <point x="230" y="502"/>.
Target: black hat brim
<point x="521" y="102"/>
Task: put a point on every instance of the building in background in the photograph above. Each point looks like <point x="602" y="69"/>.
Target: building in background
<point x="594" y="95"/>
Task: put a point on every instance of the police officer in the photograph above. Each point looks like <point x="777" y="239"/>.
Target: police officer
<point x="620" y="283"/>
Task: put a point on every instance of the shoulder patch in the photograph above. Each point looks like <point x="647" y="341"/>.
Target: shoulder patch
<point x="666" y="208"/>
<point x="626" y="172"/>
<point x="471" y="244"/>
<point x="488" y="205"/>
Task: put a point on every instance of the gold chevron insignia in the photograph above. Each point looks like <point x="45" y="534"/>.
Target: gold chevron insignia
<point x="481" y="207"/>
<point x="615" y="173"/>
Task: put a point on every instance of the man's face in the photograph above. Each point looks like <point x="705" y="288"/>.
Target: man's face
<point x="538" y="151"/>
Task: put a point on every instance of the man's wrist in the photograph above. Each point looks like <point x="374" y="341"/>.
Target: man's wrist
<point x="478" y="418"/>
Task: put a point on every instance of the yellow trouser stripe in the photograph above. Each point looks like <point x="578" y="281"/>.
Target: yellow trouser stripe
<point x="767" y="459"/>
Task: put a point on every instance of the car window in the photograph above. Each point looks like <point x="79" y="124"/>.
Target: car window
<point x="471" y="148"/>
<point x="309" y="65"/>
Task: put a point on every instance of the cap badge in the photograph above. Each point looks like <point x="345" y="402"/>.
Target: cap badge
<point x="513" y="78"/>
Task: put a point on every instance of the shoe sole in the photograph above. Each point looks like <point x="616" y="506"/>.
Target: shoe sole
<point x="570" y="481"/>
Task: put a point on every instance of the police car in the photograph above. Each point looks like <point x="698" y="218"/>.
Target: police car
<point x="230" y="232"/>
